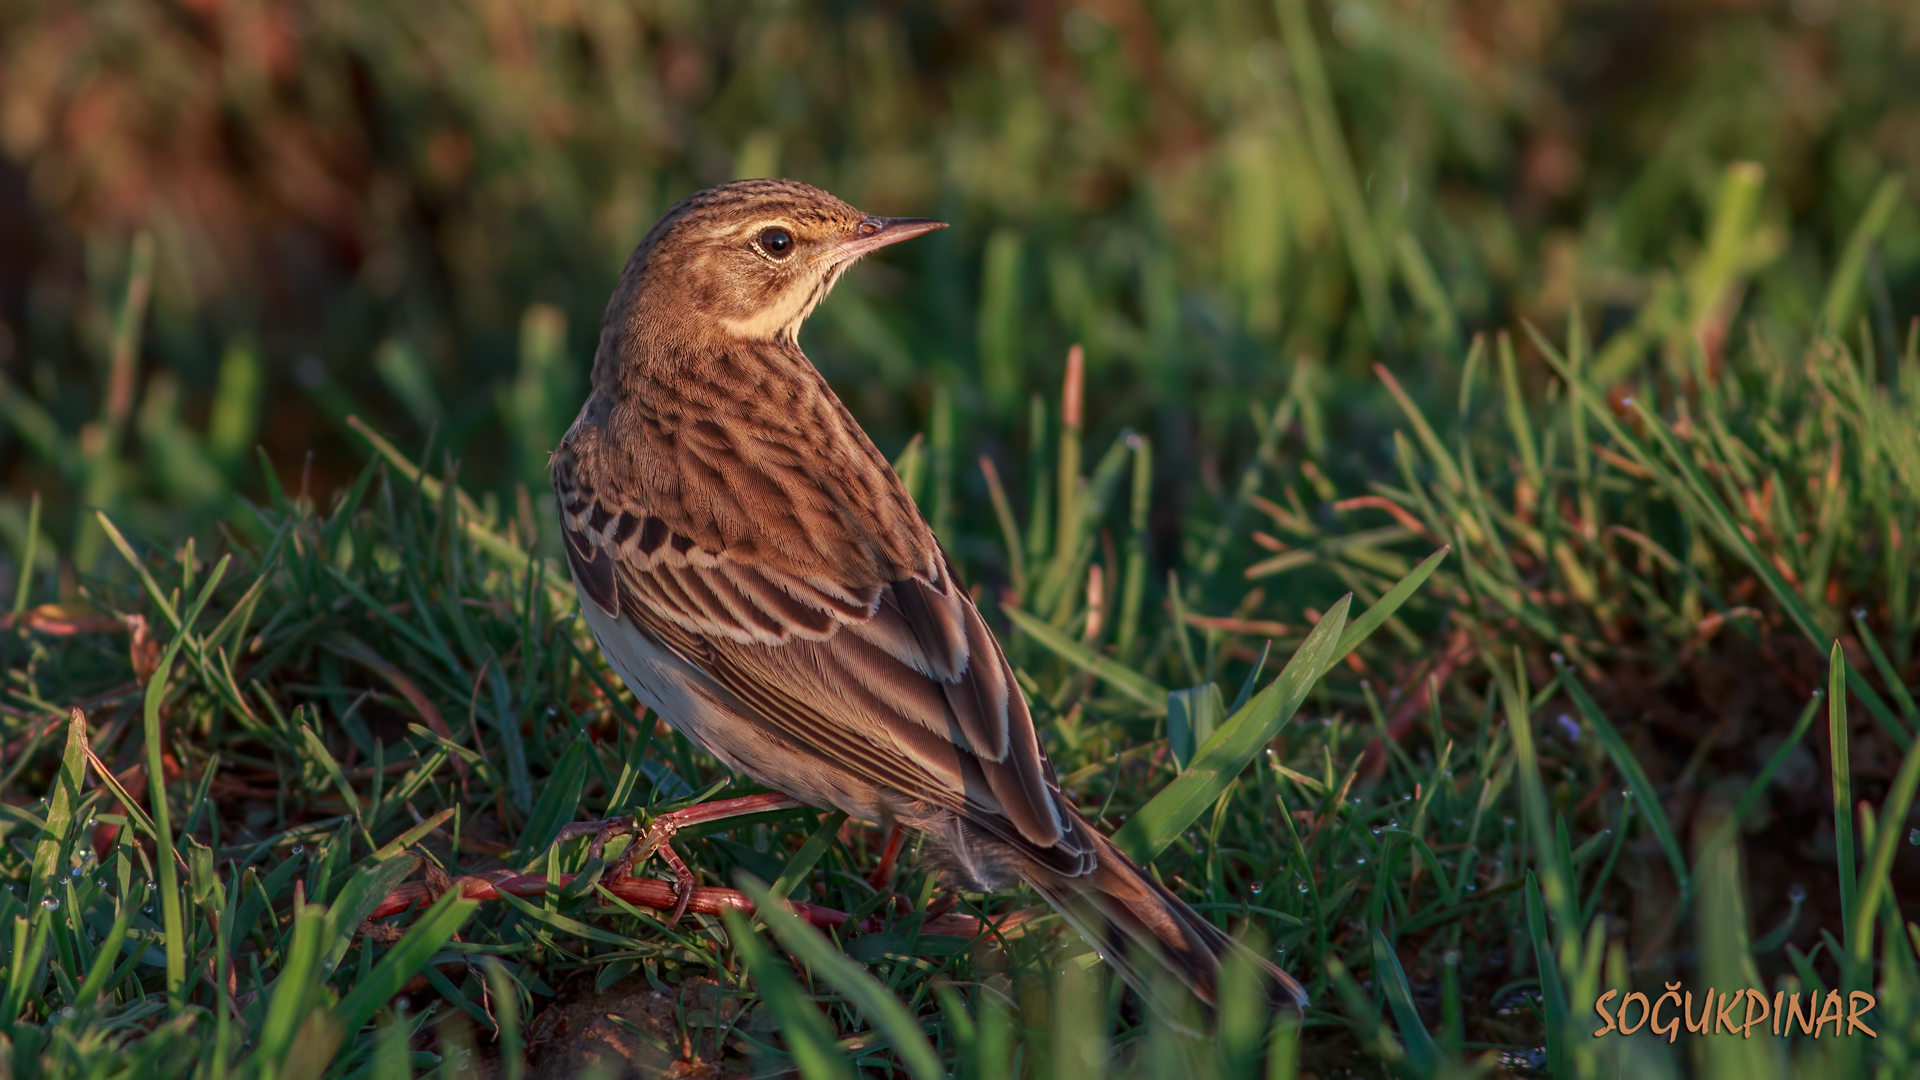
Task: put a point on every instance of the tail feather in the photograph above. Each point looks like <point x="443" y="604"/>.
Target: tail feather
<point x="1137" y="925"/>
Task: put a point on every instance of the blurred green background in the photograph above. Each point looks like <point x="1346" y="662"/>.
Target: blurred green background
<point x="414" y="213"/>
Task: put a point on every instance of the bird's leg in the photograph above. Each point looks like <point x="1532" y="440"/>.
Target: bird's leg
<point x="882" y="877"/>
<point x="660" y="832"/>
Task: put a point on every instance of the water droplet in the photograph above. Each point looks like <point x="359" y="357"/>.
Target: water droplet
<point x="298" y="848"/>
<point x="1451" y="957"/>
<point x="1913" y="836"/>
<point x="1303" y="888"/>
<point x="51" y="903"/>
<point x="1797" y="893"/>
<point x="1626" y="793"/>
<point x="1255" y="888"/>
<point x="63" y="879"/>
<point x="1859" y="611"/>
<point x="1819" y="693"/>
<point x="1362" y="860"/>
<point x="149" y="886"/>
<point x="101" y="881"/>
<point x="1626" y="401"/>
<point x="1558" y="658"/>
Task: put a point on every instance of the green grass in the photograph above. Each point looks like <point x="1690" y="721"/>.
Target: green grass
<point x="354" y="696"/>
<point x="1569" y="649"/>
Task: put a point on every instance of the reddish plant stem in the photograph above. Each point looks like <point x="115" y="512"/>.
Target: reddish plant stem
<point x="650" y="893"/>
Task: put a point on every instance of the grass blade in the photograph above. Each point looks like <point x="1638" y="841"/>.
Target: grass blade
<point x="1180" y="803"/>
<point x="803" y="861"/>
<point x="1118" y="675"/>
<point x="1553" y="989"/>
<point x="1422" y="1051"/>
<point x="1623" y="758"/>
<point x="808" y="1036"/>
<point x="876" y="1003"/>
<point x="1875" y="880"/>
<point x="1842" y="789"/>
<point x="401" y="962"/>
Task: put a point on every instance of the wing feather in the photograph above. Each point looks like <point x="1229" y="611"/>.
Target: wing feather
<point x="806" y="588"/>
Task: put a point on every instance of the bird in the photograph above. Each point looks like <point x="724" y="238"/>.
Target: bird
<point x="758" y="576"/>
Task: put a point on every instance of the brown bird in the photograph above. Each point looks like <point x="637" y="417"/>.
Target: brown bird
<point x="758" y="576"/>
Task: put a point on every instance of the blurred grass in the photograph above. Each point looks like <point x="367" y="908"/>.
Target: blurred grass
<point x="1640" y="284"/>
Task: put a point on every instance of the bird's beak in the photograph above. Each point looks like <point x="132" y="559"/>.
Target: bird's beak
<point x="878" y="232"/>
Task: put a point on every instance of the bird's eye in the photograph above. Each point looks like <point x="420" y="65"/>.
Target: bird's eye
<point x="776" y="242"/>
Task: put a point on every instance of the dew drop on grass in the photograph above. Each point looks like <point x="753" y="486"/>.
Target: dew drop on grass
<point x="1303" y="888"/>
<point x="51" y="903"/>
<point x="1451" y="957"/>
<point x="1859" y="612"/>
<point x="298" y="848"/>
<point x="1255" y="888"/>
<point x="1913" y="836"/>
<point x="1796" y="892"/>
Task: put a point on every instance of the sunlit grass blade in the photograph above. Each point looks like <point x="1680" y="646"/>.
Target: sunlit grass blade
<point x="1214" y="766"/>
<point x="1115" y="674"/>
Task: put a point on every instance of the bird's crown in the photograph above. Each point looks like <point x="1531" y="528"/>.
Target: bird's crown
<point x="746" y="260"/>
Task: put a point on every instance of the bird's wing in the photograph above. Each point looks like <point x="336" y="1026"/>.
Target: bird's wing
<point x="841" y="629"/>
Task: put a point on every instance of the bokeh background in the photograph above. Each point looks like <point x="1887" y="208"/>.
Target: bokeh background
<point x="414" y="213"/>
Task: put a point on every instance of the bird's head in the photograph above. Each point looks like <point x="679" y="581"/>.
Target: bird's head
<point x="748" y="259"/>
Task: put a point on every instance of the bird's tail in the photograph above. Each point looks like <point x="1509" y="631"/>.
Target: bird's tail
<point x="1138" y="925"/>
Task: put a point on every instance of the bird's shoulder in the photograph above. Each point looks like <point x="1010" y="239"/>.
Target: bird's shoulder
<point x="745" y="462"/>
